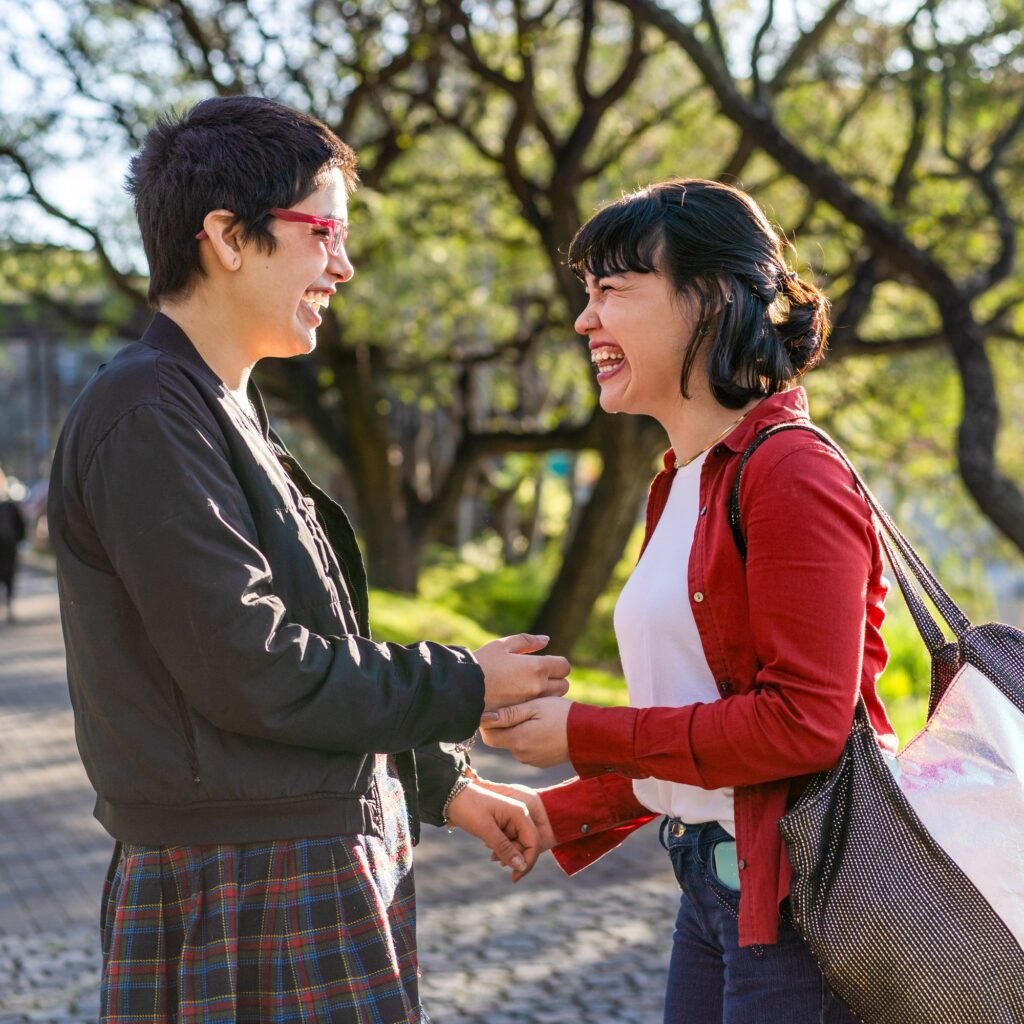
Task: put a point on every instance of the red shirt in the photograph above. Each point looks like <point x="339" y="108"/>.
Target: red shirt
<point x="792" y="637"/>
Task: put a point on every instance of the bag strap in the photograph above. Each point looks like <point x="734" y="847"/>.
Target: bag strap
<point x="899" y="551"/>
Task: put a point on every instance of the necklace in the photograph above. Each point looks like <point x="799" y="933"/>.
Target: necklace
<point x="244" y="403"/>
<point x="680" y="463"/>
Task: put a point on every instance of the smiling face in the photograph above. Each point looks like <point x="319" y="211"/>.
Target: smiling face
<point x="638" y="332"/>
<point x="278" y="296"/>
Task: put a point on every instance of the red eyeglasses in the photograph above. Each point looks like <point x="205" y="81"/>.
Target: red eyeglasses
<point x="337" y="231"/>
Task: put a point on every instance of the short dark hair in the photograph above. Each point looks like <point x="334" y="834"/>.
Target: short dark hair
<point x="763" y="325"/>
<point x="245" y="154"/>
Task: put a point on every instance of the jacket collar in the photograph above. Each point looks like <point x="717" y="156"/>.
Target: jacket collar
<point x="778" y="408"/>
<point x="165" y="335"/>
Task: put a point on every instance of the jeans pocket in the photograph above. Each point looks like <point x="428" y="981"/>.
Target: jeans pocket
<point x="727" y="897"/>
<point x="723" y="866"/>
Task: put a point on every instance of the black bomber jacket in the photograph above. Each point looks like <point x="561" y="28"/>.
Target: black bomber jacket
<point x="214" y="607"/>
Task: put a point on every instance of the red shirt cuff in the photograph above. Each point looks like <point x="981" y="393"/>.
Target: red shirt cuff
<point x="575" y="856"/>
<point x="583" y="807"/>
<point x="591" y="816"/>
<point x="602" y="740"/>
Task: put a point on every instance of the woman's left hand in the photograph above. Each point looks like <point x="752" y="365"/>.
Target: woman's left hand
<point x="536" y="732"/>
<point x="502" y="822"/>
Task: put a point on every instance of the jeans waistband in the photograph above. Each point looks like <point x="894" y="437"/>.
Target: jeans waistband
<point x="676" y="833"/>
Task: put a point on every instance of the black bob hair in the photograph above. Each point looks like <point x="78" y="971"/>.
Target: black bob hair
<point x="761" y="325"/>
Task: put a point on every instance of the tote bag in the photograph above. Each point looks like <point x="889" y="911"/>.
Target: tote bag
<point x="908" y="870"/>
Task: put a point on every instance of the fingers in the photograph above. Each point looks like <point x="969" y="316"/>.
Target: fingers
<point x="516" y="875"/>
<point x="506" y="717"/>
<point x="554" y="666"/>
<point x="554" y="687"/>
<point x="551" y="668"/>
<point x="536" y="732"/>
<point x="525" y="643"/>
<point x="506" y="852"/>
<point x="511" y="678"/>
<point x="513" y="839"/>
<point x="534" y="805"/>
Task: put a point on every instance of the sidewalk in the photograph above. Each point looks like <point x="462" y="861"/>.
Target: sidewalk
<point x="547" y="951"/>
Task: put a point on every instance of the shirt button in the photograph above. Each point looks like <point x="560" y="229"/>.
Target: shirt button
<point x="704" y="510"/>
<point x="698" y="597"/>
<point x="742" y="864"/>
<point x="584" y="827"/>
<point x="725" y="686"/>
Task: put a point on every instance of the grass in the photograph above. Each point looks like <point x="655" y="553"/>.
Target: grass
<point x="405" y="620"/>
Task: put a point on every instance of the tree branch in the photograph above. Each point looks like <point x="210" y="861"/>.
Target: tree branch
<point x="807" y="44"/>
<point x="579" y="65"/>
<point x="1000" y="498"/>
<point x="569" y="156"/>
<point x="1006" y="224"/>
<point x="708" y="15"/>
<point x="760" y="91"/>
<point x="120" y="281"/>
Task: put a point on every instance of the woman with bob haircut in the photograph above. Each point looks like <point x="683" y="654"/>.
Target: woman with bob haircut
<point x="743" y="675"/>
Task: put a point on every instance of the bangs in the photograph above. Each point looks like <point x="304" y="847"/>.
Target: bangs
<point x="626" y="236"/>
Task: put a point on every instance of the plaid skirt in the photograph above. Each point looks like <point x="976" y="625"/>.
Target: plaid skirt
<point x="312" y="930"/>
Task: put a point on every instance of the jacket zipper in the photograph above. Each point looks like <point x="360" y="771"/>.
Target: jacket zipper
<point x="190" y="735"/>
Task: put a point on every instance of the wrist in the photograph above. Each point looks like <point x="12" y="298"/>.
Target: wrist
<point x="461" y="783"/>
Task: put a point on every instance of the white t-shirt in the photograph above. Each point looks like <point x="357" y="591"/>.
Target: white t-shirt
<point x="662" y="656"/>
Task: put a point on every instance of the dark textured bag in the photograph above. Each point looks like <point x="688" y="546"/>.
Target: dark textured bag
<point x="908" y="882"/>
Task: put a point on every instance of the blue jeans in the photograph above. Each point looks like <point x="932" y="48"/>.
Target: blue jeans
<point x="710" y="979"/>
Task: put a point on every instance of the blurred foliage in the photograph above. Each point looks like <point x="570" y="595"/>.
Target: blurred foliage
<point x="906" y="680"/>
<point x="405" y="619"/>
<point x="897" y="419"/>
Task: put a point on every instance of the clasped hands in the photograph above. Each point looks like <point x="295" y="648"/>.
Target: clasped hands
<point x="525" y="712"/>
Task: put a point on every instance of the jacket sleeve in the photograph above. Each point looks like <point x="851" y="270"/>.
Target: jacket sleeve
<point x="184" y="546"/>
<point x="811" y="548"/>
<point x="438" y="768"/>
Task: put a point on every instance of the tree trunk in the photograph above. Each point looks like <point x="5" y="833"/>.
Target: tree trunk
<point x="391" y="545"/>
<point x="629" y="446"/>
<point x="998" y="497"/>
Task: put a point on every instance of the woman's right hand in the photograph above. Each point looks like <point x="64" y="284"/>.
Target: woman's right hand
<point x="538" y="815"/>
<point x="510" y="678"/>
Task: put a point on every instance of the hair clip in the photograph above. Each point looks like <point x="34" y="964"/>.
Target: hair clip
<point x="668" y="196"/>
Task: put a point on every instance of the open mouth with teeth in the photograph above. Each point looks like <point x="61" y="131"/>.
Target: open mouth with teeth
<point x="314" y="301"/>
<point x="607" y="360"/>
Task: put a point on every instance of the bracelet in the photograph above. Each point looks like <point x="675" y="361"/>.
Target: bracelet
<point x="460" y="784"/>
<point x="465" y="746"/>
